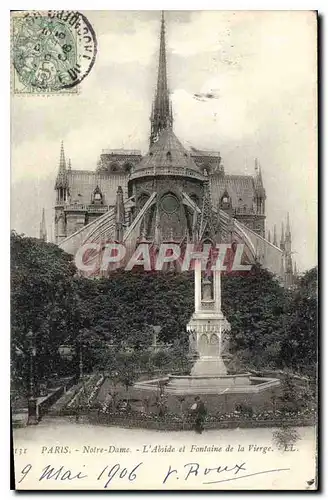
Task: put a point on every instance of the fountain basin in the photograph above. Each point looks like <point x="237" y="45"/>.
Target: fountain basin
<point x="210" y="384"/>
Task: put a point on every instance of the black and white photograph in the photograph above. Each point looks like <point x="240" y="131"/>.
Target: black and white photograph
<point x="163" y="249"/>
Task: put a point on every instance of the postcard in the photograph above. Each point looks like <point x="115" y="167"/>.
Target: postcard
<point x="164" y="250"/>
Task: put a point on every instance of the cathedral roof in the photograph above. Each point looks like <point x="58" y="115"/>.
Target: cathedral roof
<point x="167" y="156"/>
<point x="240" y="188"/>
<point x="82" y="184"/>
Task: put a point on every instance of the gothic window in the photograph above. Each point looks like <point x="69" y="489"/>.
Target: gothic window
<point x="97" y="198"/>
<point x="169" y="155"/>
<point x="225" y="200"/>
<point x="245" y="208"/>
<point x="169" y="203"/>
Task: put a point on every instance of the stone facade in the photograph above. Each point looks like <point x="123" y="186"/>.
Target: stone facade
<point x="89" y="194"/>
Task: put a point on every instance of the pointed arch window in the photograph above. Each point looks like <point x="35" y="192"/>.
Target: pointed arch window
<point x="225" y="201"/>
<point x="97" y="196"/>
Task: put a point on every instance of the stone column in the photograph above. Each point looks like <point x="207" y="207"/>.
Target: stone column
<point x="198" y="285"/>
<point x="217" y="290"/>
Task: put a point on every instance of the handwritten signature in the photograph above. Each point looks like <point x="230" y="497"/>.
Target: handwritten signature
<point x="194" y="469"/>
<point x="207" y="475"/>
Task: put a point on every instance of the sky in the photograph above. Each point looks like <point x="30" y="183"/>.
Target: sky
<point x="261" y="68"/>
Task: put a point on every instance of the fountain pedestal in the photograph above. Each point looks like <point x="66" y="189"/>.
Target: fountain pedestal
<point x="208" y="339"/>
<point x="208" y="328"/>
<point x="208" y="331"/>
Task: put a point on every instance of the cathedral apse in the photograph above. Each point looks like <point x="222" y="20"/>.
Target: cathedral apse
<point x="170" y="194"/>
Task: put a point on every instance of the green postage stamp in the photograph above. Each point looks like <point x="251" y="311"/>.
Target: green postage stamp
<point x="52" y="51"/>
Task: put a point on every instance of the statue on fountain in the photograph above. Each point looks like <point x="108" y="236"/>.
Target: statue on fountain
<point x="208" y="325"/>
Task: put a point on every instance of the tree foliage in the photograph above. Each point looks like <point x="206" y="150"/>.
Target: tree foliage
<point x="300" y="345"/>
<point x="41" y="298"/>
<point x="270" y="326"/>
<point x="254" y="304"/>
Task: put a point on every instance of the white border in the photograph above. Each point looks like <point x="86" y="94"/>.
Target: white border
<point x="320" y="5"/>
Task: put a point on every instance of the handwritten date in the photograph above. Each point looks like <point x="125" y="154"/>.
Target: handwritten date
<point x="61" y="473"/>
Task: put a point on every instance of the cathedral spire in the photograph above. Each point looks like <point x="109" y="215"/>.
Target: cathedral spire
<point x="275" y="242"/>
<point x="288" y="231"/>
<point x="161" y="117"/>
<point x="259" y="189"/>
<point x="282" y="237"/>
<point x="61" y="180"/>
<point x="43" y="229"/>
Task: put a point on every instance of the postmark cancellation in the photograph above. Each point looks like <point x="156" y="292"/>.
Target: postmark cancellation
<point x="51" y="51"/>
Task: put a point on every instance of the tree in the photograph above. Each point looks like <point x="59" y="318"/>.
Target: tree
<point x="128" y="368"/>
<point x="41" y="290"/>
<point x="300" y="344"/>
<point x="255" y="304"/>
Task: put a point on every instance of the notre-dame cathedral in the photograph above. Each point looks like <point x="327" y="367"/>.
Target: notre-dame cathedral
<point x="169" y="195"/>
